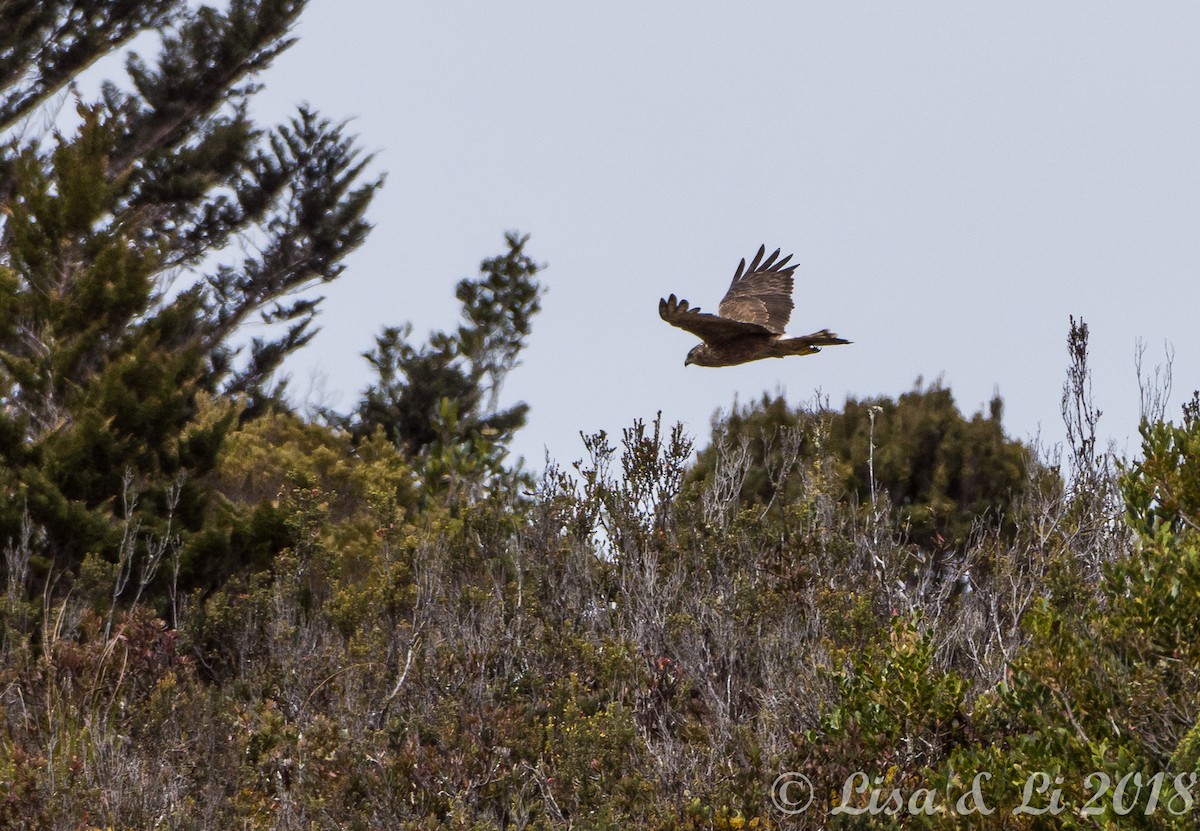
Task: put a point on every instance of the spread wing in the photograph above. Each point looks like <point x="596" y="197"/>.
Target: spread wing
<point x="708" y="327"/>
<point x="762" y="293"/>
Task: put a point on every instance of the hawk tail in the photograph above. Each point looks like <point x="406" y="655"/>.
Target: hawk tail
<point x="809" y="344"/>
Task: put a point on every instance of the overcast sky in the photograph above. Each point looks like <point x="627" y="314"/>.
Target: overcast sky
<point x="954" y="179"/>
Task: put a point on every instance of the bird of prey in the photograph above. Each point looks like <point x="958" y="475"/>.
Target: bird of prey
<point x="750" y="321"/>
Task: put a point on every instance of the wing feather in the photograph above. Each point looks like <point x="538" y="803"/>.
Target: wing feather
<point x="761" y="294"/>
<point x="708" y="327"/>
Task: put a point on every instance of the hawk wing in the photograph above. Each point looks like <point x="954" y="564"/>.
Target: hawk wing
<point x="762" y="293"/>
<point x="708" y="327"/>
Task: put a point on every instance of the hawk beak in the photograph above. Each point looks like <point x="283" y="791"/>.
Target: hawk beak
<point x="687" y="360"/>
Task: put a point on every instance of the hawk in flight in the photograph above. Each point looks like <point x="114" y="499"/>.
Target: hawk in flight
<point x="749" y="322"/>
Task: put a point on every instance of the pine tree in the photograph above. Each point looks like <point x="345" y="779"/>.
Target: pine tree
<point x="439" y="402"/>
<point x="134" y="246"/>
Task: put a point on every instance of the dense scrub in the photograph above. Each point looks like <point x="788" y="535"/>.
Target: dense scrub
<point x="613" y="646"/>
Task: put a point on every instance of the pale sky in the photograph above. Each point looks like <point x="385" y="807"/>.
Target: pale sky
<point x="954" y="179"/>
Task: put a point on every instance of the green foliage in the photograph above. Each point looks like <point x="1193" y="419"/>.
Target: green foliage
<point x="615" y="650"/>
<point x="440" y="402"/>
<point x="943" y="474"/>
<point x="34" y="34"/>
<point x="115" y="324"/>
<point x="1108" y="684"/>
<point x="895" y="701"/>
<point x="899" y="710"/>
<point x="1162" y="488"/>
<point x="272" y="462"/>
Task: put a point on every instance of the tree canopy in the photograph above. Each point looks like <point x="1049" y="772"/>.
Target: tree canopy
<point x="440" y="402"/>
<point x="139" y="232"/>
<point x="942" y="473"/>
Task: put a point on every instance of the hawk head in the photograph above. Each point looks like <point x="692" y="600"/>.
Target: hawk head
<point x="700" y="355"/>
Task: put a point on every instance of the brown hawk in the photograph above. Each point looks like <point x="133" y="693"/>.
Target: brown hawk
<point x="750" y="321"/>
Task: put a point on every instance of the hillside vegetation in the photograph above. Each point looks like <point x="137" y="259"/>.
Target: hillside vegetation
<point x="627" y="642"/>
